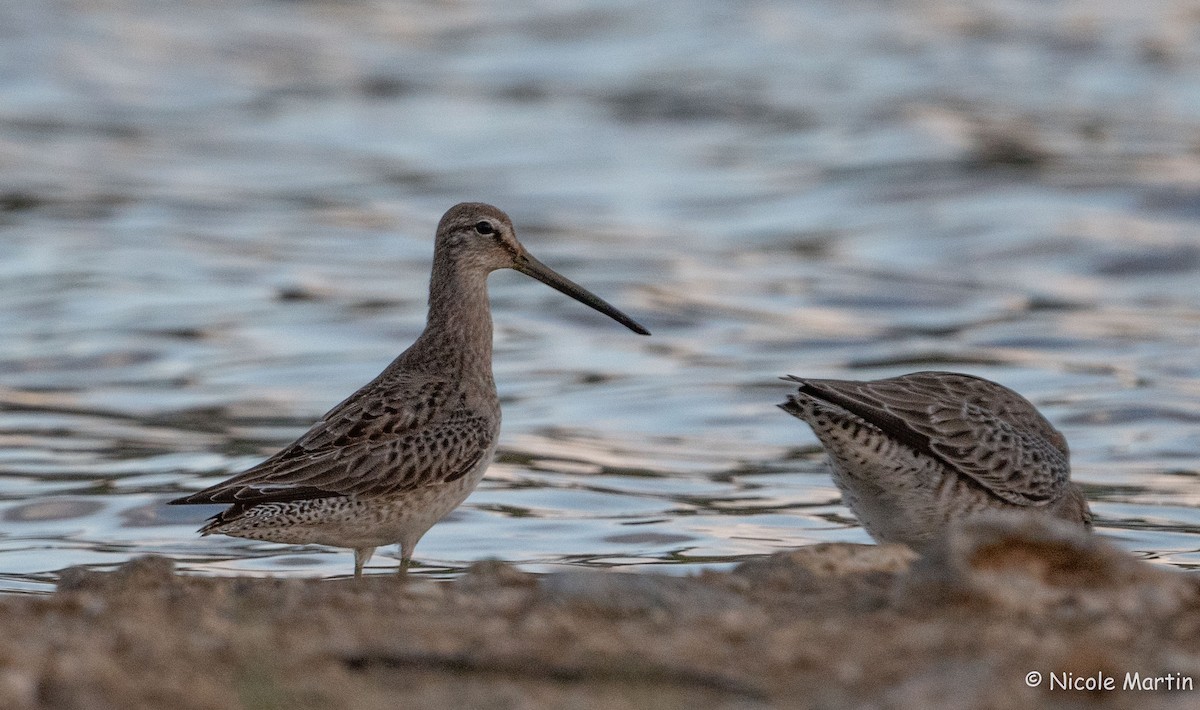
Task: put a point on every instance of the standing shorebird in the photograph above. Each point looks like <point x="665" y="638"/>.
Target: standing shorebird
<point x="912" y="454"/>
<point x="402" y="452"/>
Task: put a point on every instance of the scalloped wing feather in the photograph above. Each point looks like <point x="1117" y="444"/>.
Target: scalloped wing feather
<point x="371" y="444"/>
<point x="977" y="427"/>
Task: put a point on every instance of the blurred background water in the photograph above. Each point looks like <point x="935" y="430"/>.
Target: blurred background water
<point x="216" y="222"/>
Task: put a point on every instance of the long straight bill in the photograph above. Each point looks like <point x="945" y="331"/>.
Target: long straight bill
<point x="530" y="266"/>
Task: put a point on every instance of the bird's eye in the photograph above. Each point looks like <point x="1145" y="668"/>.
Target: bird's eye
<point x="485" y="228"/>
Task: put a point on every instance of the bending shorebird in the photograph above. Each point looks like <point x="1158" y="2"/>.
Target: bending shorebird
<point x="912" y="454"/>
<point x="402" y="452"/>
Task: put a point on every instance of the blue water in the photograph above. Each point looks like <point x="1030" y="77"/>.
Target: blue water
<point x="216" y="221"/>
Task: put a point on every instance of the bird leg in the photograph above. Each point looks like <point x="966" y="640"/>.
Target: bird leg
<point x="405" y="560"/>
<point x="361" y="555"/>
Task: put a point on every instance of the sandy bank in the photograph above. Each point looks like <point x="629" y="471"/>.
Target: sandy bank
<point x="833" y="625"/>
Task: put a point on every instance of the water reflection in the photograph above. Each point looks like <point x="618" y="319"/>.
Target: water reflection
<point x="218" y="226"/>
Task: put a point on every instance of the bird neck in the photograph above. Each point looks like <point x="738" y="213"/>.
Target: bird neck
<point x="459" y="328"/>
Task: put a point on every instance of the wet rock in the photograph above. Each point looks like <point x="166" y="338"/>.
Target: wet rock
<point x="1014" y="145"/>
<point x="17" y="201"/>
<point x="1026" y="564"/>
<point x="140" y="572"/>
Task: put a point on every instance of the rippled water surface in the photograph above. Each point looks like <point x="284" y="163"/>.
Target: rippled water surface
<point x="216" y="221"/>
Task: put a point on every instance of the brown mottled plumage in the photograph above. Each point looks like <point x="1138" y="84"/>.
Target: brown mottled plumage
<point x="399" y="454"/>
<point x="914" y="453"/>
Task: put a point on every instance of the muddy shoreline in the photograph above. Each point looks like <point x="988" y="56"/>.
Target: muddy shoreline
<point x="831" y="625"/>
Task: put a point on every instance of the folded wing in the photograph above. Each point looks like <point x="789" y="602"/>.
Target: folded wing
<point x="984" y="430"/>
<point x="369" y="446"/>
